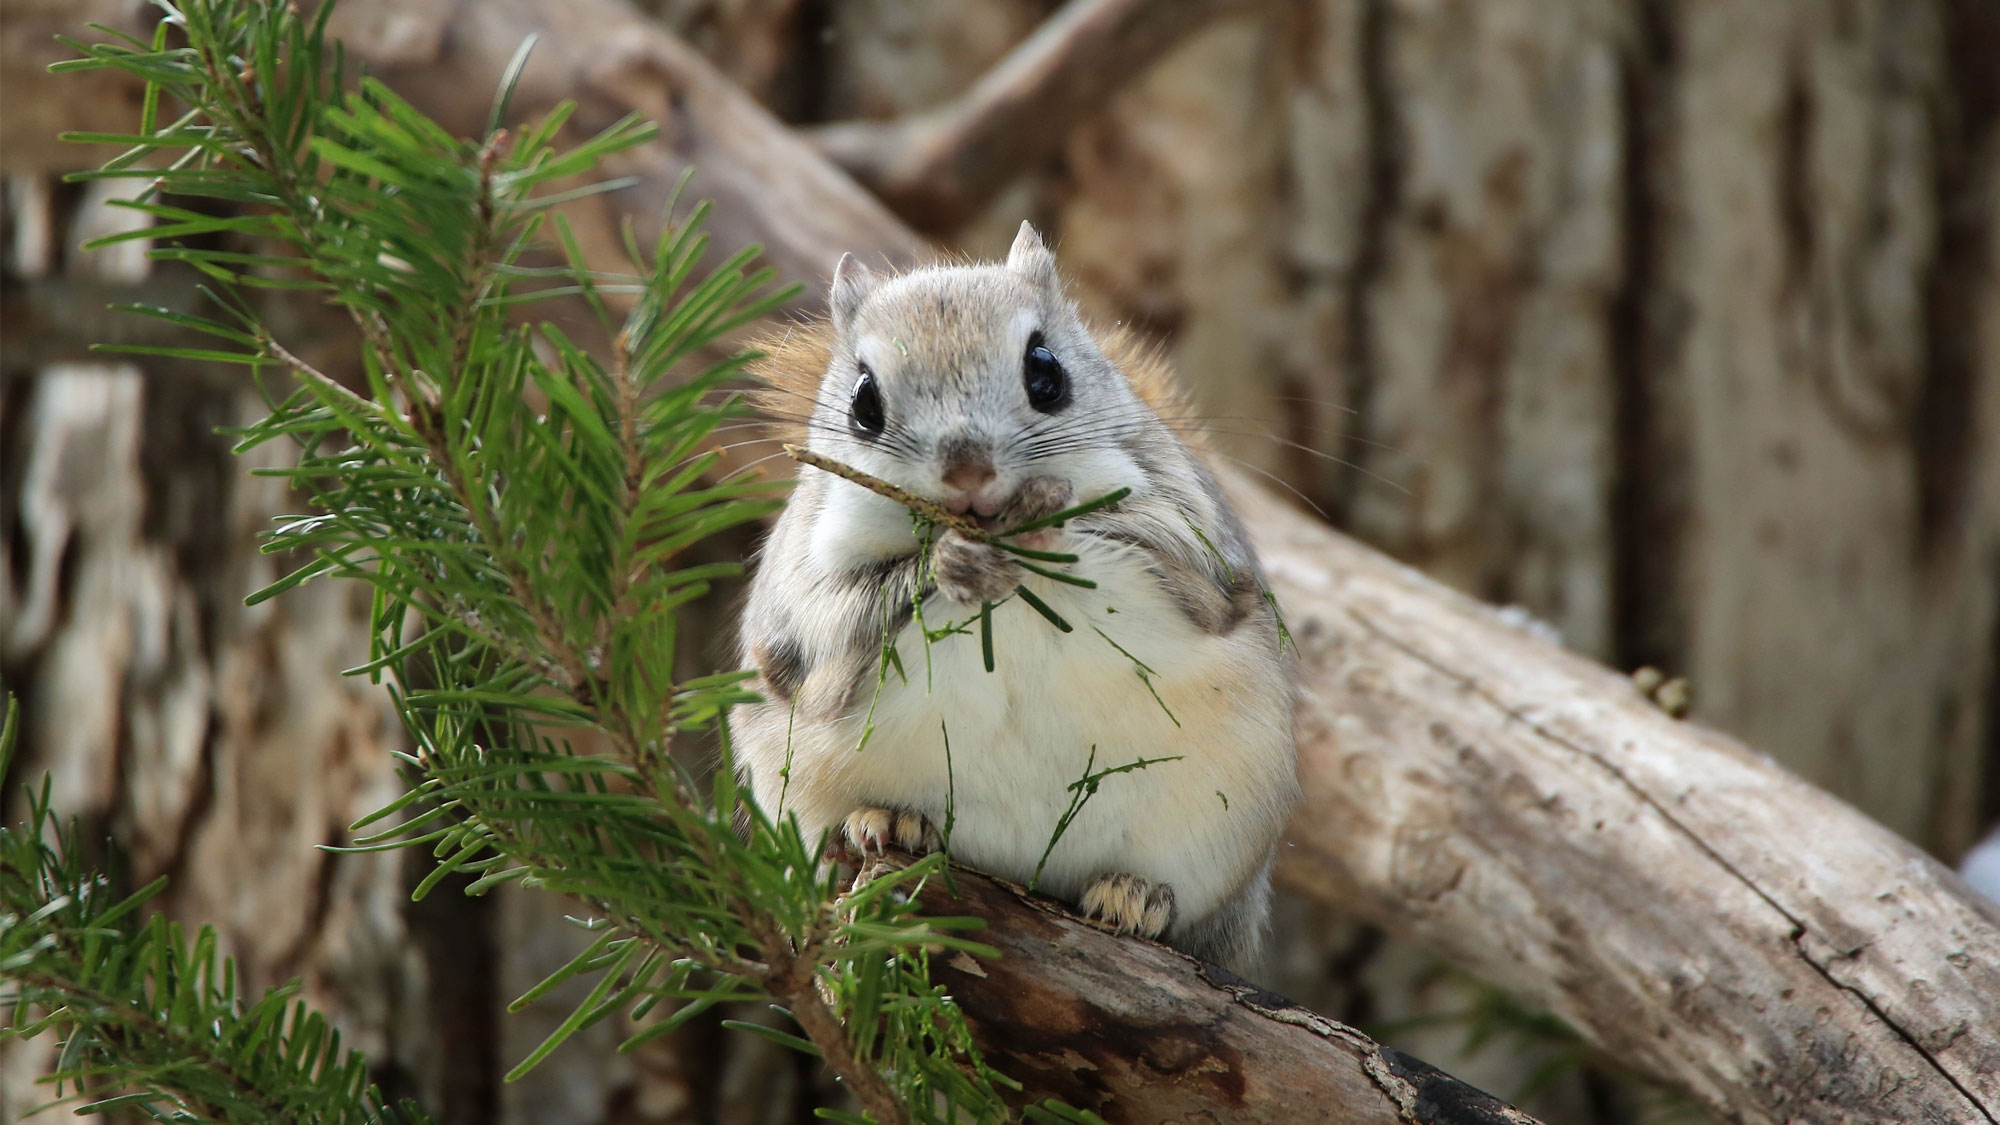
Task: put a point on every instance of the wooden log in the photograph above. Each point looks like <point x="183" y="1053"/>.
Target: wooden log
<point x="1699" y="912"/>
<point x="1137" y="1032"/>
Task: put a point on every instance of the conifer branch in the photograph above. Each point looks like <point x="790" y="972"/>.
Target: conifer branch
<point x="307" y="371"/>
<point x="145" y="1016"/>
<point x="798" y="991"/>
<point x="520" y="509"/>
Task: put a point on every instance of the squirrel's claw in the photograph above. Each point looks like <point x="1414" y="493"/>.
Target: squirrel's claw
<point x="869" y="831"/>
<point x="1127" y="904"/>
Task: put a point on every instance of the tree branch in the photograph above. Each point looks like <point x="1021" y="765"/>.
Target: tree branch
<point x="1135" y="1031"/>
<point x="1700" y="913"/>
<point x="936" y="169"/>
<point x="800" y="996"/>
<point x="613" y="61"/>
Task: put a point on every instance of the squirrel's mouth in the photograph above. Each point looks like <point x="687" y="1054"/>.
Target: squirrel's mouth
<point x="988" y="519"/>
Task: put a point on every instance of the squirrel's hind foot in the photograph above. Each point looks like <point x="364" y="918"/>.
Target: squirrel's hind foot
<point x="1127" y="904"/>
<point x="868" y="831"/>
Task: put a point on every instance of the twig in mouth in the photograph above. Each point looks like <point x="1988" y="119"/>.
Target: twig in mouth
<point x="929" y="509"/>
<point x="939" y="514"/>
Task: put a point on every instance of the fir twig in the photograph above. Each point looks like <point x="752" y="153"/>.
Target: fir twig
<point x="929" y="509"/>
<point x="145" y="1016"/>
<point x="937" y="513"/>
<point x="1080" y="792"/>
<point x="521" y="509"/>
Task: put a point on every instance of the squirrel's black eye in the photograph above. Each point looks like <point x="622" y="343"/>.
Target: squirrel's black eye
<point x="865" y="413"/>
<point x="1048" y="385"/>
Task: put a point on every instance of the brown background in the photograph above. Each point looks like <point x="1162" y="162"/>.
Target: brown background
<point x="1674" y="322"/>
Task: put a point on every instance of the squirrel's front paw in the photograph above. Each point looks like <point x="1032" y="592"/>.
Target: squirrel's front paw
<point x="970" y="572"/>
<point x="1038" y="497"/>
<point x="869" y="831"/>
<point x="1127" y="904"/>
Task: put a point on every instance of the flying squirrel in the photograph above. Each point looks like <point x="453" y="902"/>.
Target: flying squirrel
<point x="980" y="387"/>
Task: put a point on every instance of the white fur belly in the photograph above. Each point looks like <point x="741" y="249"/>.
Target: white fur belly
<point x="1060" y="705"/>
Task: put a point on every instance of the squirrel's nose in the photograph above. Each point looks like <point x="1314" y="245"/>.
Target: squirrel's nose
<point x="968" y="463"/>
<point x="968" y="474"/>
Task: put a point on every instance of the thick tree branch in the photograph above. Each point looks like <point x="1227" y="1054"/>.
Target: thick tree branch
<point x="1137" y="1032"/>
<point x="1704" y="915"/>
<point x="1699" y="912"/>
<point x="936" y="169"/>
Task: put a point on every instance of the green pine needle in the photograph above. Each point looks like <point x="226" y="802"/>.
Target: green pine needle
<point x="142" y="1009"/>
<point x="523" y="509"/>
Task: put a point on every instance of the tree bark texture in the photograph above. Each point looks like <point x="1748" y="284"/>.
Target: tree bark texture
<point x="1669" y="322"/>
<point x="1676" y="324"/>
<point x="1692" y="906"/>
<point x="1137" y="1032"/>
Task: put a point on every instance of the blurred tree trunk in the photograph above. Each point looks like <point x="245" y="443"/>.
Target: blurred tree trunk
<point x="1671" y="323"/>
<point x="1677" y="324"/>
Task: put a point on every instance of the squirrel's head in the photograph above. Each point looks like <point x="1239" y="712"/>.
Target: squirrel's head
<point x="959" y="382"/>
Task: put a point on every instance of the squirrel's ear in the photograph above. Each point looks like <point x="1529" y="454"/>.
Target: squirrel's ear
<point x="1032" y="260"/>
<point x="852" y="282"/>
